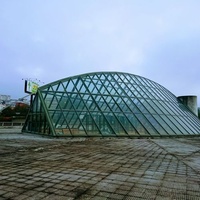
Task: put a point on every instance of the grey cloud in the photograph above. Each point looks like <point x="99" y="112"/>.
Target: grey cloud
<point x="155" y="39"/>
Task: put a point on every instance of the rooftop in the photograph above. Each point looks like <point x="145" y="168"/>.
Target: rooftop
<point x="35" y="167"/>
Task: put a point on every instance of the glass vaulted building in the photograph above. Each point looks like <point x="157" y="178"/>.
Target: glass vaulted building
<point x="109" y="104"/>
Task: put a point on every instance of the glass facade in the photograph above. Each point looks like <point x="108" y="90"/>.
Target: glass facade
<point x="109" y="104"/>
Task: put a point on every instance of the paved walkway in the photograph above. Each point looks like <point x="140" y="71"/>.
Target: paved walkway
<point x="32" y="167"/>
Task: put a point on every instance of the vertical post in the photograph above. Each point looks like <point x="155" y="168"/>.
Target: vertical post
<point x="31" y="99"/>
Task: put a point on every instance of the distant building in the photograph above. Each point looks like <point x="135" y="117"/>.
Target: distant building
<point x="4" y="99"/>
<point x="1" y="106"/>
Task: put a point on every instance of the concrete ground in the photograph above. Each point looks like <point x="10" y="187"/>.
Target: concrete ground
<point x="34" y="167"/>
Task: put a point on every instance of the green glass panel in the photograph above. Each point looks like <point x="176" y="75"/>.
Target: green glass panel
<point x="163" y="123"/>
<point x="181" y="122"/>
<point x="163" y="109"/>
<point x="78" y="131"/>
<point x="140" y="106"/>
<point x="70" y="86"/>
<point x="136" y="94"/>
<point x="177" y="124"/>
<point x="148" y="126"/>
<point x="53" y="103"/>
<point x="78" y="85"/>
<point x="83" y="89"/>
<point x="86" y="82"/>
<point x="155" y="124"/>
<point x="60" y="87"/>
<point x="137" y="127"/>
<point x="54" y="87"/>
<point x="170" y="123"/>
<point x="65" y="83"/>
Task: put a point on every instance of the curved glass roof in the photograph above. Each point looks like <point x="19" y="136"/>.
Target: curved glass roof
<point x="109" y="104"/>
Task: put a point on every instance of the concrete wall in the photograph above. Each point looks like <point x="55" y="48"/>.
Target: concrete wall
<point x="191" y="102"/>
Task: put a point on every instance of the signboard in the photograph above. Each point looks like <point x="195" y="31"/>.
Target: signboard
<point x="30" y="87"/>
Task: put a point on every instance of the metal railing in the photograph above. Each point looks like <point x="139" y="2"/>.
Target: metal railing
<point x="11" y="124"/>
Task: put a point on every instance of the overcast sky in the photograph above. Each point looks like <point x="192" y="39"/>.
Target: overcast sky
<point x="52" y="39"/>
